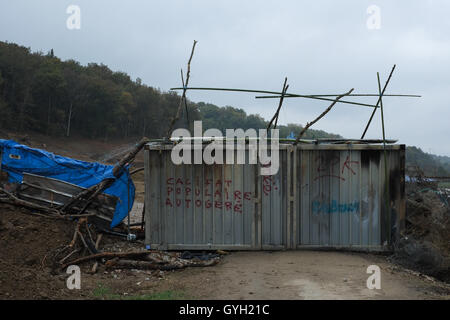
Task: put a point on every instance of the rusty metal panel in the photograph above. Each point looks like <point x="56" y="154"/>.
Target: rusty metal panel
<point x="324" y="196"/>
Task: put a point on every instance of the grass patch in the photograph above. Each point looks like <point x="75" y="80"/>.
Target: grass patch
<point x="103" y="292"/>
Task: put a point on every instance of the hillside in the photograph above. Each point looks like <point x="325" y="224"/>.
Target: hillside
<point x="40" y="93"/>
<point x="43" y="94"/>
<point x="432" y="165"/>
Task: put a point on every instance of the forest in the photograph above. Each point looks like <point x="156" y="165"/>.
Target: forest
<point x="41" y="93"/>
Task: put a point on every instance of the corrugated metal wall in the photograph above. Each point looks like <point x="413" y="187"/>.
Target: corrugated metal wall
<point x="322" y="196"/>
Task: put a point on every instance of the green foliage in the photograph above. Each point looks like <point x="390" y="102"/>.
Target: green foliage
<point x="230" y="118"/>
<point x="431" y="165"/>
<point x="41" y="93"/>
<point x="103" y="292"/>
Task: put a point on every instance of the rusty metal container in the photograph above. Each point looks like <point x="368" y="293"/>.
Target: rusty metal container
<point x="323" y="196"/>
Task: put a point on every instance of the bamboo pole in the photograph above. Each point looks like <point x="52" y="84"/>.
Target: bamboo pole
<point x="386" y="182"/>
<point x="335" y="95"/>
<point x="293" y="95"/>
<point x="379" y="100"/>
<point x="278" y="93"/>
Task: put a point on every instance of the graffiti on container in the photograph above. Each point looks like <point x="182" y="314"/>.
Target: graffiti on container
<point x="334" y="207"/>
<point x="348" y="165"/>
<point x="326" y="167"/>
<point x="223" y="198"/>
<point x="268" y="185"/>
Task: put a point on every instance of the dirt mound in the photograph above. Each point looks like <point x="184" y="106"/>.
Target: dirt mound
<point x="425" y="246"/>
<point x="25" y="241"/>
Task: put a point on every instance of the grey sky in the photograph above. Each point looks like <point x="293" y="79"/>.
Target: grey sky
<point x="321" y="46"/>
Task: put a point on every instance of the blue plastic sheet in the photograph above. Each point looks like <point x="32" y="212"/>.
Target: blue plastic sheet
<point x="18" y="159"/>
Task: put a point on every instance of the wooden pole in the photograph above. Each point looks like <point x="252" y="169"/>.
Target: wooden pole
<point x="378" y="102"/>
<point x="277" y="112"/>
<point x="276" y="95"/>
<point x="185" y="100"/>
<point x="290" y="95"/>
<point x="279" y="93"/>
<point x="386" y="177"/>
<point x="183" y="96"/>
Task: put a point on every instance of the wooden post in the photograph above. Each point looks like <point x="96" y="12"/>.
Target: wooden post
<point x="183" y="96"/>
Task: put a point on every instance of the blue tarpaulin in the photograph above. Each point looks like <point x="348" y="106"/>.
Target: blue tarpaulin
<point x="18" y="159"/>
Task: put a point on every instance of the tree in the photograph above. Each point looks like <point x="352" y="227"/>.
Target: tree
<point x="49" y="85"/>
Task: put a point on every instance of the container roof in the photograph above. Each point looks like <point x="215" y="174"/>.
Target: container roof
<point x="206" y="140"/>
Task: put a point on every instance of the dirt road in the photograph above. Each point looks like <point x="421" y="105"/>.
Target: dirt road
<point x="27" y="239"/>
<point x="305" y="275"/>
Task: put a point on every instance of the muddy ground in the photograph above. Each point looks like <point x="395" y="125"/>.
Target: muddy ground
<point x="26" y="241"/>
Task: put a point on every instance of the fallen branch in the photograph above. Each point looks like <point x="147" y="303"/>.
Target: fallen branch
<point x="97" y="244"/>
<point x="136" y="171"/>
<point x="69" y="255"/>
<point x="105" y="255"/>
<point x="137" y="264"/>
<point x="75" y="234"/>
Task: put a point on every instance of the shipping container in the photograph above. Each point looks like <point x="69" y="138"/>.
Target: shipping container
<point x="325" y="195"/>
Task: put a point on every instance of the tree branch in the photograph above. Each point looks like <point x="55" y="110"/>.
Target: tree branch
<point x="308" y="125"/>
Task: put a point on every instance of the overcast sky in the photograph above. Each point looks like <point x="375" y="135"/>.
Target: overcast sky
<point x="321" y="46"/>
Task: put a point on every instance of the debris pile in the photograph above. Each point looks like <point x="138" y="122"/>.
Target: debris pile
<point x="425" y="244"/>
<point x="89" y="208"/>
<point x="66" y="188"/>
<point x="146" y="259"/>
